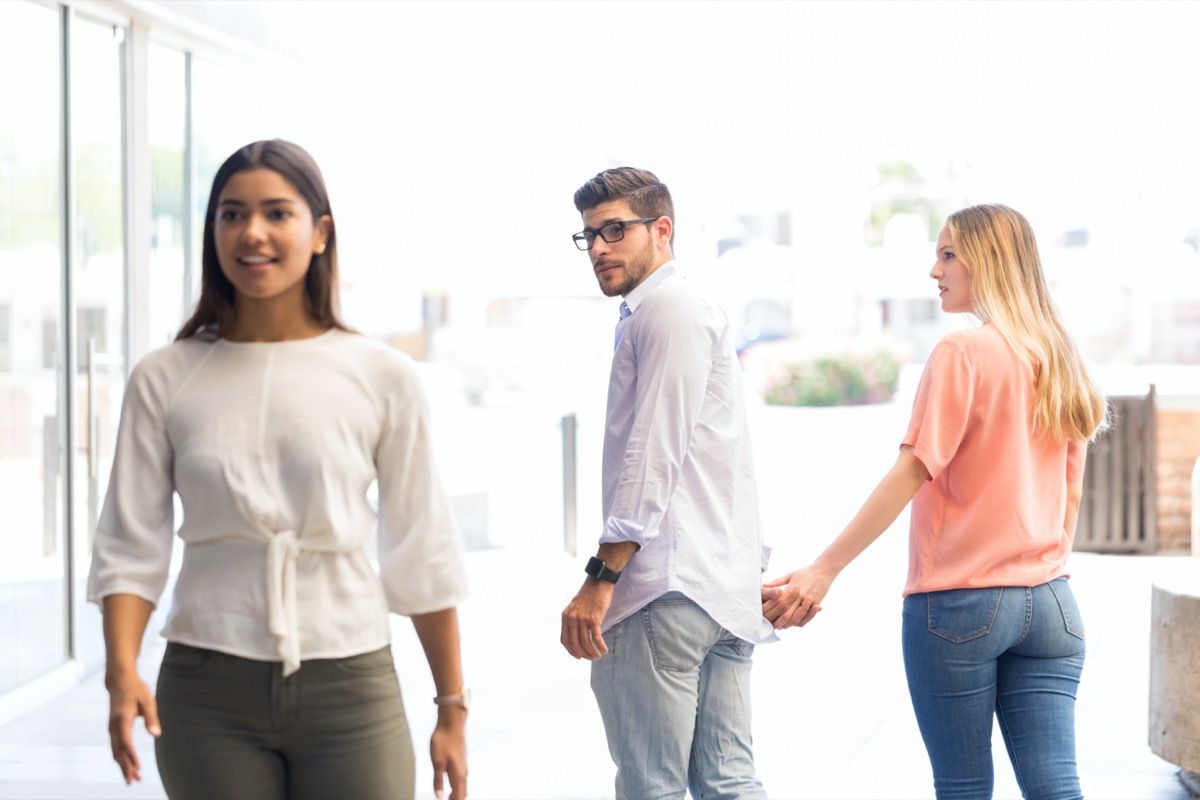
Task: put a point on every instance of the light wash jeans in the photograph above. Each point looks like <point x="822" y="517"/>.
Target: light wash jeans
<point x="1014" y="652"/>
<point x="674" y="694"/>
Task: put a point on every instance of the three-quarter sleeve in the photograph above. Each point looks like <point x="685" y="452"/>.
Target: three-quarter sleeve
<point x="942" y="408"/>
<point x="421" y="559"/>
<point x="131" y="553"/>
<point x="674" y="346"/>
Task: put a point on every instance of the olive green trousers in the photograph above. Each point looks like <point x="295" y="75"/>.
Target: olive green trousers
<point x="236" y="728"/>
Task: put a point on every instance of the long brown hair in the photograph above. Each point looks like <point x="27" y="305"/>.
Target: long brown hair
<point x="215" y="308"/>
<point x="1008" y="290"/>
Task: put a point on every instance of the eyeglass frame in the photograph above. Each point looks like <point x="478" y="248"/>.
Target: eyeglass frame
<point x="623" y="223"/>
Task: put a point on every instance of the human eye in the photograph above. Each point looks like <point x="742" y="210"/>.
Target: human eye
<point x="228" y="215"/>
<point x="279" y="214"/>
<point x="612" y="231"/>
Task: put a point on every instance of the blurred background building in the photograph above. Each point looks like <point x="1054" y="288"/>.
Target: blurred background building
<point x="814" y="150"/>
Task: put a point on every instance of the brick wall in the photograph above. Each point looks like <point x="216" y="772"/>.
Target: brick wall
<point x="1178" y="447"/>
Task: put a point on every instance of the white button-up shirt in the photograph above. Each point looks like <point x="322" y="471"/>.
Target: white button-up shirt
<point x="272" y="448"/>
<point x="678" y="469"/>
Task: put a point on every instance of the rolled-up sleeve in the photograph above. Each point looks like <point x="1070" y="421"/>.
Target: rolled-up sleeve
<point x="674" y="345"/>
<point x="421" y="560"/>
<point x="131" y="553"/>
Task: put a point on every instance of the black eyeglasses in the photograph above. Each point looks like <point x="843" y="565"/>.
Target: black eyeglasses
<point x="609" y="232"/>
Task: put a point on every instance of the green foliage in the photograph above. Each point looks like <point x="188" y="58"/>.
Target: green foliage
<point x="842" y="380"/>
<point x="901" y="190"/>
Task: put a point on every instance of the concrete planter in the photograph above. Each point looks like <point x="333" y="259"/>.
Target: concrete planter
<point x="1174" y="690"/>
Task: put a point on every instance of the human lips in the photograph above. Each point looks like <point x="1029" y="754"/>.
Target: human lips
<point x="256" y="260"/>
<point x="606" y="266"/>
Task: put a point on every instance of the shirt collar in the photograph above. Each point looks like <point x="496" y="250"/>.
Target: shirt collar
<point x="639" y="292"/>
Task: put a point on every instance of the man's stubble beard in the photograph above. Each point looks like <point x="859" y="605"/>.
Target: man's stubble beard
<point x="636" y="269"/>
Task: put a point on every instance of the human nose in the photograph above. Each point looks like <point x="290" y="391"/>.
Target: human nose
<point x="255" y="229"/>
<point x="936" y="271"/>
<point x="599" y="247"/>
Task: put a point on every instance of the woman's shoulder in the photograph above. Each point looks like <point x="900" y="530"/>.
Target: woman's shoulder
<point x="159" y="375"/>
<point x="981" y="342"/>
<point x="168" y="361"/>
<point x="381" y="363"/>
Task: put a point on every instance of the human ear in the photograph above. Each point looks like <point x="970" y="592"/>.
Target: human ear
<point x="321" y="233"/>
<point x="663" y="228"/>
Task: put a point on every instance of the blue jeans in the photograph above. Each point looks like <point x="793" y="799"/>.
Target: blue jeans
<point x="674" y="694"/>
<point x="1013" y="651"/>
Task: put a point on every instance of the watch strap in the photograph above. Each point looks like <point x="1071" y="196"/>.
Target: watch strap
<point x="598" y="569"/>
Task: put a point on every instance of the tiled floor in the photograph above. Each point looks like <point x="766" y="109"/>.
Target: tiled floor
<point x="832" y="716"/>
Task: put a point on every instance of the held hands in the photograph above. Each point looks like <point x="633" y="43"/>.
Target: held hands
<point x="582" y="618"/>
<point x="129" y="697"/>
<point x="795" y="598"/>
<point x="448" y="750"/>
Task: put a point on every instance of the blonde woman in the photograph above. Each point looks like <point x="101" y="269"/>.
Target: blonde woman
<point x="993" y="462"/>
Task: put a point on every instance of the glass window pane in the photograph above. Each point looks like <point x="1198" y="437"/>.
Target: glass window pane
<point x="99" y="288"/>
<point x="168" y="122"/>
<point x="32" y="590"/>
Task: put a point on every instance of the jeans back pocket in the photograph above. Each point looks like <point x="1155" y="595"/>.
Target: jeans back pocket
<point x="960" y="615"/>
<point x="1066" y="604"/>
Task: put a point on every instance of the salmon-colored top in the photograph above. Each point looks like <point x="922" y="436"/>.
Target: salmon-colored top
<point x="994" y="509"/>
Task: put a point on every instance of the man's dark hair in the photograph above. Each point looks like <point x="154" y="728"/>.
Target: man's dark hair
<point x="646" y="194"/>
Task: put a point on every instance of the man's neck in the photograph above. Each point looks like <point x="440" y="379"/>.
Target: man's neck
<point x="649" y="273"/>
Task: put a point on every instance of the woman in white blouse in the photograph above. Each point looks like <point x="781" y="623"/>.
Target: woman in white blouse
<point x="271" y="419"/>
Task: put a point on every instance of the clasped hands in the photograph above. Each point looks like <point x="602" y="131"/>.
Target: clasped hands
<point x="794" y="599"/>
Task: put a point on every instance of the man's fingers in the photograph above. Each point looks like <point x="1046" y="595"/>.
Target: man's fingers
<point x="775" y="606"/>
<point x="781" y="610"/>
<point x="793" y="614"/>
<point x="568" y="639"/>
<point x="587" y="647"/>
<point x="576" y="637"/>
<point x="780" y="581"/>
<point x="563" y="636"/>
<point x="570" y="635"/>
<point x="597" y="637"/>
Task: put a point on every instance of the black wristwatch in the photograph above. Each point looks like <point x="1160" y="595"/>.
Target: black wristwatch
<point x="598" y="569"/>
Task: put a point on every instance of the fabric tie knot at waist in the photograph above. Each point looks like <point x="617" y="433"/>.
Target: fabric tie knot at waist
<point x="282" y="617"/>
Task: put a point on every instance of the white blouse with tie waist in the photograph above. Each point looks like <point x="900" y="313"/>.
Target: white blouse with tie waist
<point x="272" y="448"/>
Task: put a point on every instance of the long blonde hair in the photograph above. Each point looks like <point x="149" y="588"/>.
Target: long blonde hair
<point x="1008" y="290"/>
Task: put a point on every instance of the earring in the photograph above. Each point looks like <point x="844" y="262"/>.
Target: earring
<point x="321" y="249"/>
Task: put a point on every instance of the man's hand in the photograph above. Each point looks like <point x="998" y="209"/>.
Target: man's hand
<point x="795" y="598"/>
<point x="582" y="618"/>
<point x="448" y="750"/>
<point x="129" y="697"/>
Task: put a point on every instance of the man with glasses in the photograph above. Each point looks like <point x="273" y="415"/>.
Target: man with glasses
<point x="671" y="608"/>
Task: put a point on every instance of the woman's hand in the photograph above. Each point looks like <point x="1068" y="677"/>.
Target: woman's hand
<point x="795" y="598"/>
<point x="129" y="697"/>
<point x="448" y="749"/>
